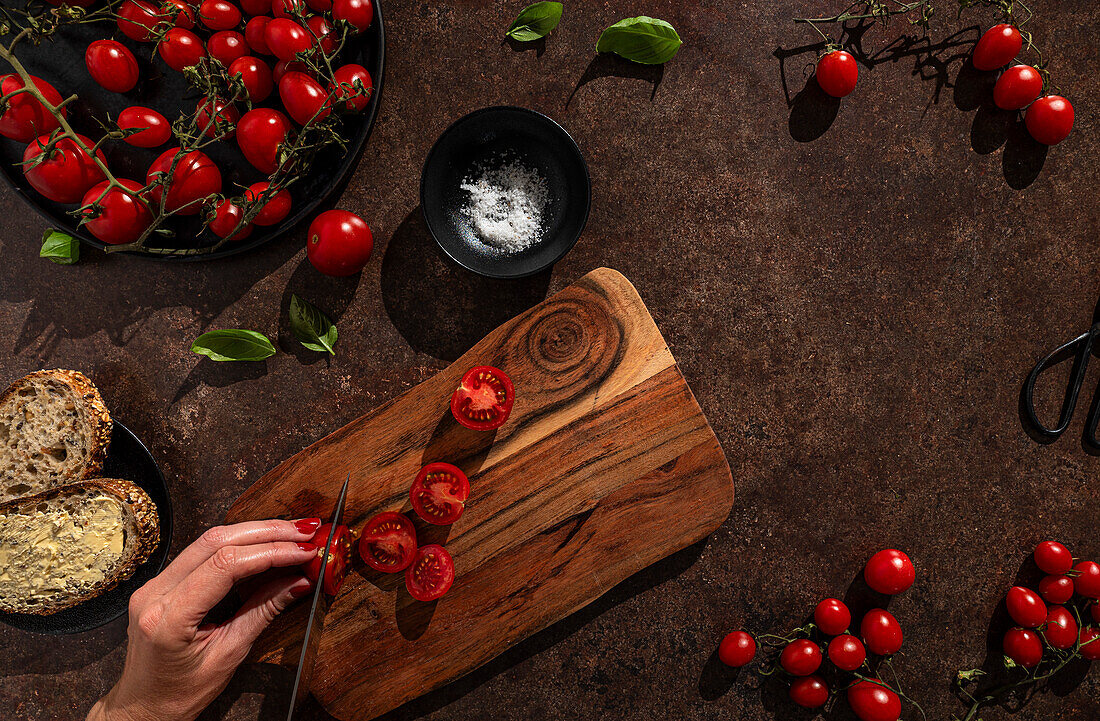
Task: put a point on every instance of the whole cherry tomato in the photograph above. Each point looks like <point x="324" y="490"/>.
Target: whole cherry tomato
<point x="255" y="76"/>
<point x="873" y="701"/>
<point x="138" y="18"/>
<point x="195" y="178"/>
<point x="122" y="216"/>
<point x="800" y="658"/>
<point x="254" y="34"/>
<point x="737" y="649"/>
<point x="157" y="129"/>
<point x="26" y="118"/>
<point x="358" y="13"/>
<point x="847" y="653"/>
<point x="832" y="616"/>
<point x="283" y="67"/>
<point x="339" y="243"/>
<point x="809" y="692"/>
<point x="997" y="47"/>
<point x="112" y="65"/>
<point x="225" y="46"/>
<point x="1023" y="646"/>
<point x="1049" y="119"/>
<point x="319" y="6"/>
<point x="217" y="118"/>
<point x="256" y="7"/>
<point x="1087" y="582"/>
<point x="259" y="134"/>
<point x="182" y="15"/>
<point x="890" y="572"/>
<point x="276" y="207"/>
<point x="304" y="98"/>
<point x="1017" y="87"/>
<point x="1090" y="643"/>
<point x="1025" y="607"/>
<point x="288" y="8"/>
<point x="1056" y="589"/>
<point x="881" y="632"/>
<point x="181" y="49"/>
<point x="1053" y="558"/>
<point x="225" y="219"/>
<point x="1061" y="628"/>
<point x="219" y="14"/>
<point x="322" y="33"/>
<point x="287" y="38"/>
<point x="67" y="173"/>
<point x="352" y="87"/>
<point x="837" y="73"/>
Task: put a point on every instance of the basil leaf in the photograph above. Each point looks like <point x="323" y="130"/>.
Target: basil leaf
<point x="233" y="344"/>
<point x="59" y="248"/>
<point x="642" y="39"/>
<point x="535" y="21"/>
<point x="311" y="327"/>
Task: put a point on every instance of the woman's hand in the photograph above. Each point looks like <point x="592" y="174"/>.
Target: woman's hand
<point x="175" y="664"/>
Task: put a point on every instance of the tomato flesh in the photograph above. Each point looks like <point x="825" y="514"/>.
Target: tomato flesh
<point x="336" y="569"/>
<point x="484" y="399"/>
<point x="439" y="493"/>
<point x="431" y="573"/>
<point x="388" y="543"/>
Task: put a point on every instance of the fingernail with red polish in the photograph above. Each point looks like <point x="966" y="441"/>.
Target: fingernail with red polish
<point x="308" y="525"/>
<point x="301" y="588"/>
<point x="307" y="547"/>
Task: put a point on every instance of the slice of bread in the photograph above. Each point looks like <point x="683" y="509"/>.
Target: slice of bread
<point x="54" y="430"/>
<point x="69" y="544"/>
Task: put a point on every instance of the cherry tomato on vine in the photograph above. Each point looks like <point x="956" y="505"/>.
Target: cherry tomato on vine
<point x="339" y="243"/>
<point x="323" y="33"/>
<point x="352" y="87"/>
<point x="1087" y="582"/>
<point x="1049" y="119"/>
<point x="25" y="117"/>
<point x="259" y="134"/>
<point x="255" y="75"/>
<point x="737" y="649"/>
<point x="873" y="701"/>
<point x="283" y="67"/>
<point x="303" y="97"/>
<point x="1090" y="643"/>
<point x="216" y="118"/>
<point x="288" y="8"/>
<point x="256" y="7"/>
<point x="157" y="129"/>
<point x="1056" y="589"/>
<point x="809" y="692"/>
<point x="1061" y="629"/>
<point x="832" y="617"/>
<point x="219" y="14"/>
<point x="339" y="557"/>
<point x="837" y="73"/>
<point x="112" y="65"/>
<point x="800" y="657"/>
<point x="1053" y="558"/>
<point x="194" y="178"/>
<point x="254" y="34"/>
<point x="1023" y="646"/>
<point x="137" y="18"/>
<point x="358" y="13"/>
<point x="275" y="209"/>
<point x="997" y="47"/>
<point x="1017" y="87"/>
<point x="122" y="217"/>
<point x="881" y="632"/>
<point x="439" y="493"/>
<point x="225" y="219"/>
<point x="181" y="49"/>
<point x="388" y="543"/>
<point x="225" y="46"/>
<point x="287" y="38"/>
<point x="1025" y="607"/>
<point x="182" y="15"/>
<point x="890" y="572"/>
<point x="319" y="6"/>
<point x="847" y="653"/>
<point x="431" y="573"/>
<point x="483" y="400"/>
<point x="67" y="173"/>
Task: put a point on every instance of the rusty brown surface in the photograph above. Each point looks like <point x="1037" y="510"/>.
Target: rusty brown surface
<point x="855" y="291"/>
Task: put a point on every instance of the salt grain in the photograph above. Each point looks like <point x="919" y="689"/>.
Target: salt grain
<point x="506" y="205"/>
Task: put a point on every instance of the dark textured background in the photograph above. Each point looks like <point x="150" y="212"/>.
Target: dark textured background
<point x="854" y="290"/>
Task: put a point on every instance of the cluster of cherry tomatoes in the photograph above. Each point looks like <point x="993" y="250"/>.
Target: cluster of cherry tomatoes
<point x="888" y="572"/>
<point x="1056" y="625"/>
<point x="1049" y="119"/>
<point x="388" y="544"/>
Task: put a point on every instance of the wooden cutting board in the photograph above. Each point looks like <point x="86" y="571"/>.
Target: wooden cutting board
<point x="605" y="466"/>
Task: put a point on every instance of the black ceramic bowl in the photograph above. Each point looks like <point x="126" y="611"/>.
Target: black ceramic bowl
<point x="486" y="139"/>
<point x="60" y="61"/>
<point x="129" y="460"/>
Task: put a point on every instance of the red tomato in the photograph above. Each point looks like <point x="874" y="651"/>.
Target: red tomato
<point x="26" y="118"/>
<point x="1056" y="589"/>
<point x="800" y="658"/>
<point x="195" y="178"/>
<point x="339" y="557"/>
<point x="1023" y="646"/>
<point x="259" y="134"/>
<point x="157" y="129"/>
<point x="847" y="653"/>
<point x="1049" y="119"/>
<point x="254" y="34"/>
<point x="288" y="8"/>
<point x="431" y="573"/>
<point x="122" y="217"/>
<point x="1017" y="87"/>
<point x="255" y="76"/>
<point x="832" y="616"/>
<point x="997" y="47"/>
<point x="1090" y="643"/>
<point x="352" y="87"/>
<point x="181" y="49"/>
<point x="226" y="46"/>
<point x="809" y="692"/>
<point x="137" y="18"/>
<point x="304" y="98"/>
<point x="322" y="32"/>
<point x="1053" y="558"/>
<point x="67" y="173"/>
<point x="112" y="65"/>
<point x="319" y="6"/>
<point x="1087" y="582"/>
<point x="737" y="649"/>
<point x="837" y="73"/>
<point x="219" y="14"/>
<point x="275" y="209"/>
<point x="287" y="38"/>
<point x="1061" y="628"/>
<point x="256" y="7"/>
<point x="388" y="543"/>
<point x="358" y="13"/>
<point x="439" y="493"/>
<point x="216" y="118"/>
<point x="339" y="243"/>
<point x="484" y="398"/>
<point x="182" y="15"/>
<point x="881" y="632"/>
<point x="890" y="572"/>
<point x="873" y="701"/>
<point x="283" y="67"/>
<point x="1025" y="607"/>
<point x="226" y="218"/>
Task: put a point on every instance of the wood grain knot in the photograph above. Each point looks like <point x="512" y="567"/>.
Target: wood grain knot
<point x="571" y="343"/>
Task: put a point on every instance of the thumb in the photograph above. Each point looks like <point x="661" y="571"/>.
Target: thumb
<point x="261" y="608"/>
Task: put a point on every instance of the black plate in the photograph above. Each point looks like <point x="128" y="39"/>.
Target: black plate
<point x="129" y="460"/>
<point x="61" y="62"/>
<point x="482" y="139"/>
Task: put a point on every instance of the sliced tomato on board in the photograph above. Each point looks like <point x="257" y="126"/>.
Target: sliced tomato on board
<point x="484" y="398"/>
<point x="439" y="493"/>
<point x="431" y="574"/>
<point x="338" y="558"/>
<point x="388" y="543"/>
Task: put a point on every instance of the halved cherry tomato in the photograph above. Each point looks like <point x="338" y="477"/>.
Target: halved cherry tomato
<point x="1049" y="119"/>
<point x="157" y="129"/>
<point x="275" y="209"/>
<point x="181" y="49"/>
<point x="359" y="13"/>
<point x="304" y="98"/>
<point x="254" y="34"/>
<point x="439" y="493"/>
<point x="225" y="46"/>
<point x="997" y="47"/>
<point x="287" y="38"/>
<point x="431" y="573"/>
<point x="255" y="76"/>
<point x="112" y="65"/>
<point x="338" y="558"/>
<point x="352" y="87"/>
<point x="225" y="219"/>
<point x="25" y="118"/>
<point x="122" y="217"/>
<point x="1017" y="87"/>
<point x="259" y="134"/>
<point x="483" y="399"/>
<point x="219" y="14"/>
<point x="195" y="178"/>
<point x="67" y="174"/>
<point x="388" y="543"/>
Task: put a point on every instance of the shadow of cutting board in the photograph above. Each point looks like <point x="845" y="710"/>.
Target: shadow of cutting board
<point x="605" y="466"/>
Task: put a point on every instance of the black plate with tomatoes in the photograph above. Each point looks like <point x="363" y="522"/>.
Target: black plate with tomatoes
<point x="61" y="62"/>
